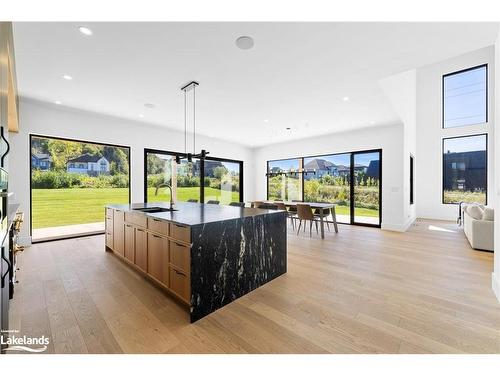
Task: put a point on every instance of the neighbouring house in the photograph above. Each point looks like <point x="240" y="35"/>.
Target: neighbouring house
<point x="41" y="161"/>
<point x="373" y="169"/>
<point x="464" y="170"/>
<point x="92" y="165"/>
<point x="324" y="167"/>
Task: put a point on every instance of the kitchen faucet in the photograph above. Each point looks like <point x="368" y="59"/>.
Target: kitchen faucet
<point x="171" y="195"/>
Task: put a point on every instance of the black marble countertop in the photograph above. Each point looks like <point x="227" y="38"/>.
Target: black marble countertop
<point x="196" y="213"/>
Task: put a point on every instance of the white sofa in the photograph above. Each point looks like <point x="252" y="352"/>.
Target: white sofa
<point x="479" y="226"/>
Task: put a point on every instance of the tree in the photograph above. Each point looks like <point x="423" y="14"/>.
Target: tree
<point x="61" y="151"/>
<point x="220" y="172"/>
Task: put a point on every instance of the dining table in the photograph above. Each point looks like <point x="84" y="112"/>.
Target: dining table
<point x="314" y="205"/>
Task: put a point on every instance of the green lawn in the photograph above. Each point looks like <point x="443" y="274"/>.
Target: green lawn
<point x="344" y="210"/>
<point x="185" y="193"/>
<point x="58" y="207"/>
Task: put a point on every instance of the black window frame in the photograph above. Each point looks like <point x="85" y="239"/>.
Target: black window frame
<point x="202" y="171"/>
<point x="485" y="65"/>
<point x="351" y="153"/>
<point x="31" y="135"/>
<point x="443" y="167"/>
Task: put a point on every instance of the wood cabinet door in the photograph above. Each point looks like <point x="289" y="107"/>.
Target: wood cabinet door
<point x="141" y="249"/>
<point x="118" y="232"/>
<point x="129" y="242"/>
<point x="158" y="258"/>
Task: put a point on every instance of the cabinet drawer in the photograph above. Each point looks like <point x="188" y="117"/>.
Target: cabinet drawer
<point x="180" y="256"/>
<point x="179" y="284"/>
<point x="137" y="219"/>
<point x="109" y="213"/>
<point x="180" y="232"/>
<point x="158" y="226"/>
<point x="109" y="240"/>
<point x="109" y="225"/>
<point x="118" y="215"/>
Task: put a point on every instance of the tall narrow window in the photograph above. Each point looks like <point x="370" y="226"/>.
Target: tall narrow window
<point x="412" y="179"/>
<point x="465" y="97"/>
<point x="71" y="182"/>
<point x="465" y="169"/>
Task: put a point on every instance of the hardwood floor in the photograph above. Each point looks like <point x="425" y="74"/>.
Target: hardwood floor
<point x="362" y="290"/>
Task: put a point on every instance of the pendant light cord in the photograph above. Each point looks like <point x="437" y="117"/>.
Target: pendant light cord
<point x="194" y="119"/>
<point x="185" y="123"/>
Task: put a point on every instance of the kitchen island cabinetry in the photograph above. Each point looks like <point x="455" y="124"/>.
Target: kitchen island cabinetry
<point x="204" y="255"/>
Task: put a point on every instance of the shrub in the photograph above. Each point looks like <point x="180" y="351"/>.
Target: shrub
<point x="63" y="180"/>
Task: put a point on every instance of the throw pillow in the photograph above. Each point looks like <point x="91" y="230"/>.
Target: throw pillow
<point x="475" y="212"/>
<point x="489" y="214"/>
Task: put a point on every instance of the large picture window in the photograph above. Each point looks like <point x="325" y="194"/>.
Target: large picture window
<point x="71" y="182"/>
<point x="465" y="97"/>
<point x="465" y="169"/>
<point x="212" y="179"/>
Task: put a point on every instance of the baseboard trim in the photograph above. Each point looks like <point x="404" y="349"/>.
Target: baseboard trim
<point x="495" y="284"/>
<point x="398" y="227"/>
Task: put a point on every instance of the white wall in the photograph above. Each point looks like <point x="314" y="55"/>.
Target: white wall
<point x="388" y="138"/>
<point x="430" y="132"/>
<point x="52" y="120"/>
<point x="401" y="89"/>
<point x="496" y="192"/>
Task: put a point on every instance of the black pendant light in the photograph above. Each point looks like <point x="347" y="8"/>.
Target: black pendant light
<point x="189" y="156"/>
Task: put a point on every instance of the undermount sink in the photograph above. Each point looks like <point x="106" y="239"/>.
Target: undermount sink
<point x="152" y="210"/>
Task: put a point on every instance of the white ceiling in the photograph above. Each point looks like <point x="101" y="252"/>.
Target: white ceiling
<point x="295" y="76"/>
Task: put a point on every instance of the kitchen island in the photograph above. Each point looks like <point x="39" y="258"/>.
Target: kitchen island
<point x="204" y="255"/>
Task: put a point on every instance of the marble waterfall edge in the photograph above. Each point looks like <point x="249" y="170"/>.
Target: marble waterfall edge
<point x="233" y="257"/>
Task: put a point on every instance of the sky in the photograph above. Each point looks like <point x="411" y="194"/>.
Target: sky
<point x="465" y="98"/>
<point x="339" y="159"/>
<point x="464" y="144"/>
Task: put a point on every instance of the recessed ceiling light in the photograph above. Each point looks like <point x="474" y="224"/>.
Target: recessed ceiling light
<point x="141" y="115"/>
<point x="372" y="122"/>
<point x="58" y="102"/>
<point x="67" y="77"/>
<point x="85" y="30"/>
<point x="345" y="98"/>
<point x="149" y="105"/>
<point x="266" y="120"/>
<point x="244" y="42"/>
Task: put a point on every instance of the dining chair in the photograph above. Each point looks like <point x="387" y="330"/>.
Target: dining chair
<point x="326" y="213"/>
<point x="305" y="212"/>
<point x="255" y="204"/>
<point x="213" y="202"/>
<point x="237" y="204"/>
<point x="291" y="215"/>
<point x="294" y="208"/>
<point x="193" y="200"/>
<point x="267" y="206"/>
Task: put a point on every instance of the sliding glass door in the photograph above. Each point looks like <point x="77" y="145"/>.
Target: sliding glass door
<point x="184" y="178"/>
<point x="201" y="181"/>
<point x="366" y="187"/>
<point x="282" y="185"/>
<point x="71" y="182"/>
<point x="329" y="182"/>
<point x="222" y="180"/>
<point x="352" y="181"/>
